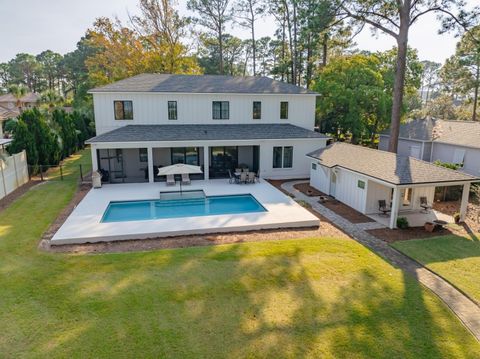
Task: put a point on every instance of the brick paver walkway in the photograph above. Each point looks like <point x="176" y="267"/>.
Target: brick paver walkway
<point x="461" y="305"/>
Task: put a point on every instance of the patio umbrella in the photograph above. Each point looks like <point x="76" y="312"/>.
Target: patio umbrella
<point x="179" y="169"/>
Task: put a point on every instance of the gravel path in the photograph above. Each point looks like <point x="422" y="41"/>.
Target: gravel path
<point x="466" y="310"/>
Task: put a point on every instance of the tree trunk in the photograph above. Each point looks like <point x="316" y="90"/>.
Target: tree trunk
<point x="220" y="49"/>
<point x="325" y="49"/>
<point x="308" y="78"/>
<point x="283" y="48"/>
<point x="475" y="95"/>
<point x="295" y="45"/>
<point x="254" y="45"/>
<point x="399" y="84"/>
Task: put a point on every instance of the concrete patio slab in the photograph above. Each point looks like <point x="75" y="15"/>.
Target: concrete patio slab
<point x="84" y="224"/>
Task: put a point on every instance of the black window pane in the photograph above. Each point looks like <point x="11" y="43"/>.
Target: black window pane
<point x="128" y="110"/>
<point x="172" y="110"/>
<point x="283" y="110"/>
<point x="225" y="110"/>
<point x="118" y="106"/>
<point x="287" y="157"/>
<point x="178" y="155"/>
<point x="143" y="155"/>
<point x="277" y="157"/>
<point x="216" y="110"/>
<point x="191" y="156"/>
<point x="257" y="110"/>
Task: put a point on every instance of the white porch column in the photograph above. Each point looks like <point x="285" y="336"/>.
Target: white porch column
<point x="93" y="150"/>
<point x="206" y="162"/>
<point x="464" y="204"/>
<point x="151" y="175"/>
<point x="395" y="205"/>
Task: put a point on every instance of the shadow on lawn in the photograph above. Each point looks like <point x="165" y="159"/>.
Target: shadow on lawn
<point x="237" y="301"/>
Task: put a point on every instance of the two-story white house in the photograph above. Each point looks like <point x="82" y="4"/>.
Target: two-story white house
<point x="216" y="122"/>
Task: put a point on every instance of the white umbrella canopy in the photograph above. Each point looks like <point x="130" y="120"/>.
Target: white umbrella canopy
<point x="179" y="169"/>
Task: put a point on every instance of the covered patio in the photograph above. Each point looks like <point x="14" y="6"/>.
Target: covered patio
<point x="386" y="186"/>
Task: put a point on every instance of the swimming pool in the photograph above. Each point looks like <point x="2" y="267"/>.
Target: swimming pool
<point x="190" y="207"/>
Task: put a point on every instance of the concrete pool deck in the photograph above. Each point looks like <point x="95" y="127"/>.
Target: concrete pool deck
<point x="84" y="224"/>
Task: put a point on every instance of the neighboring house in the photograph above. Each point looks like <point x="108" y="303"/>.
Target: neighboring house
<point x="11" y="107"/>
<point x="216" y="122"/>
<point x="361" y="177"/>
<point x="447" y="141"/>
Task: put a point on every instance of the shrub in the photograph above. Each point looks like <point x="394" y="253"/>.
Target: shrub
<point x="402" y="223"/>
<point x="456" y="217"/>
<point x="452" y="166"/>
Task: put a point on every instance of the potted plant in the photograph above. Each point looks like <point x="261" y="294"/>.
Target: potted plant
<point x="456" y="217"/>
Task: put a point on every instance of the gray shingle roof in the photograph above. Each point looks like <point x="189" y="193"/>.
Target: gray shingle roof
<point x="460" y="133"/>
<point x="386" y="166"/>
<point x="202" y="84"/>
<point x="148" y="133"/>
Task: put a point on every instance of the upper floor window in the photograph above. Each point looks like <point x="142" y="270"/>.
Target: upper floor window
<point x="172" y="110"/>
<point x="257" y="110"/>
<point x="283" y="157"/>
<point x="123" y="110"/>
<point x="220" y="110"/>
<point x="284" y="110"/>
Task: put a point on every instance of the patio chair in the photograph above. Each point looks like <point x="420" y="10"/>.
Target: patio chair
<point x="424" y="204"/>
<point x="233" y="178"/>
<point x="251" y="177"/>
<point x="238" y="170"/>
<point x="243" y="177"/>
<point x="185" y="178"/>
<point x="170" y="180"/>
<point x="245" y="169"/>
<point x="382" y="207"/>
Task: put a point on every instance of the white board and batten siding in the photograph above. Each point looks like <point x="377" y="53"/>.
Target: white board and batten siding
<point x="348" y="190"/>
<point x="151" y="109"/>
<point x="320" y="177"/>
<point x="13" y="173"/>
<point x="346" y="185"/>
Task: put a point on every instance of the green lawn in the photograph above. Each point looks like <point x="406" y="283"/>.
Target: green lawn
<point x="453" y="257"/>
<point x="322" y="297"/>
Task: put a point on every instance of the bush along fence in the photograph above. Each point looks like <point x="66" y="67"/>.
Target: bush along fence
<point x="13" y="173"/>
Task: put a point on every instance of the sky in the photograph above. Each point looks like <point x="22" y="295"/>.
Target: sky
<point x="33" y="26"/>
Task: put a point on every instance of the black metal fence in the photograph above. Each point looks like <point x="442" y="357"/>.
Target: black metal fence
<point x="59" y="173"/>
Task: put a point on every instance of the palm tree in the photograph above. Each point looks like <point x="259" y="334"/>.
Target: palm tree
<point x="51" y="98"/>
<point x="18" y="91"/>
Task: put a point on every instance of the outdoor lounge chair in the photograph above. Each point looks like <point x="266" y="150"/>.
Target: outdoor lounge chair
<point x="424" y="204"/>
<point x="170" y="180"/>
<point x="382" y="207"/>
<point x="251" y="177"/>
<point x="185" y="178"/>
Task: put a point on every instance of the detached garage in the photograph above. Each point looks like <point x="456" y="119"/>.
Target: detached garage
<point x="382" y="184"/>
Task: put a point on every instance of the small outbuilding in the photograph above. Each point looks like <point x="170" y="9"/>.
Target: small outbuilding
<point x="384" y="185"/>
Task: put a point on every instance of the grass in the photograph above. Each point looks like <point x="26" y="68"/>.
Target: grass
<point x="321" y="297"/>
<point x="455" y="258"/>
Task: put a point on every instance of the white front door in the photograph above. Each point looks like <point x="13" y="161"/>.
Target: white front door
<point x="406" y="198"/>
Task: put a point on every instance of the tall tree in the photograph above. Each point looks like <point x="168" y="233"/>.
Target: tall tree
<point x="430" y="79"/>
<point x="394" y="18"/>
<point x="248" y="12"/>
<point x="25" y="69"/>
<point x="213" y="15"/>
<point x="50" y="68"/>
<point x="162" y="26"/>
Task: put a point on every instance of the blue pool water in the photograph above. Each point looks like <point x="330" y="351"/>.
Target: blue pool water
<point x="191" y="207"/>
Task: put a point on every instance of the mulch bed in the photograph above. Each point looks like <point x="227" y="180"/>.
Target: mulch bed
<point x="308" y="190"/>
<point x="6" y="201"/>
<point x="346" y="212"/>
<point x="393" y="235"/>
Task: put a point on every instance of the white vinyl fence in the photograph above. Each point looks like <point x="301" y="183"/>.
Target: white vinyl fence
<point x="13" y="173"/>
